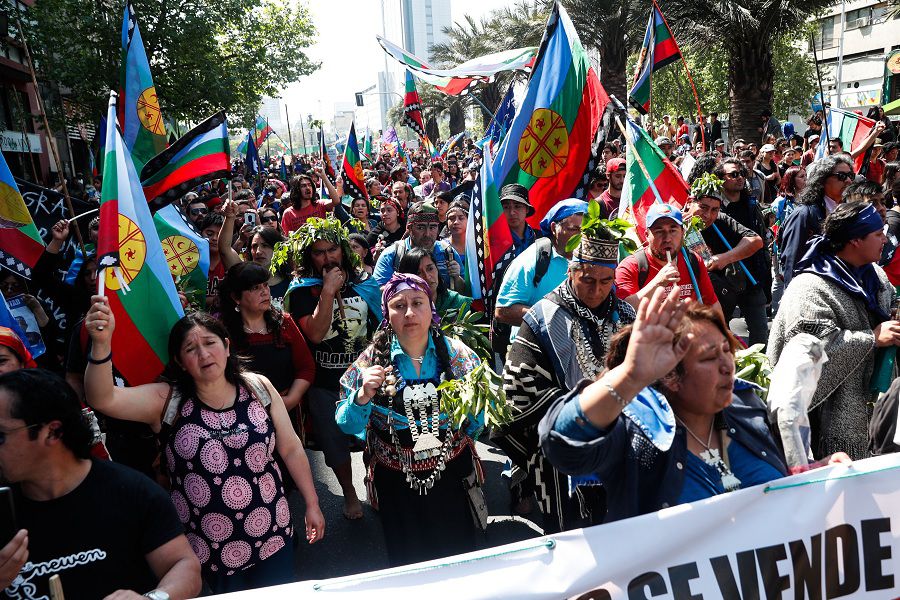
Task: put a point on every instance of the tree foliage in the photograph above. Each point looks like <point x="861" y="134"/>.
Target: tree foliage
<point x="793" y="86"/>
<point x="205" y="55"/>
<point x="747" y="31"/>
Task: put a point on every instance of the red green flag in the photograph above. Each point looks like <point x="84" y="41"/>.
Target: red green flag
<point x="200" y="155"/>
<point x="412" y="107"/>
<point x="133" y="265"/>
<point x="637" y="195"/>
<point x="657" y="51"/>
<point x="552" y="140"/>
<point x="139" y="114"/>
<point x="20" y="242"/>
<point x="351" y="168"/>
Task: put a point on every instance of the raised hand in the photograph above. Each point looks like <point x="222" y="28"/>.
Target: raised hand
<point x="652" y="352"/>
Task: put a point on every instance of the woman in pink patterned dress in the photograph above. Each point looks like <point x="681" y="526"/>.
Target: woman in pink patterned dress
<point x="220" y="429"/>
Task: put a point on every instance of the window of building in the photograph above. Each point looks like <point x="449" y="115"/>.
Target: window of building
<point x="861" y="17"/>
<point x="825" y="38"/>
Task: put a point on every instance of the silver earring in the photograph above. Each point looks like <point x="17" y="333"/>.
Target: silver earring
<point x="237" y="309"/>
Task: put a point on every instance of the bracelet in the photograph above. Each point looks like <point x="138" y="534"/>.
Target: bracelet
<point x="94" y="361"/>
<point x="616" y="395"/>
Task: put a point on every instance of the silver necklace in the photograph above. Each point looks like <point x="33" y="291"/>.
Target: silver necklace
<point x="713" y="458"/>
<point x="262" y="331"/>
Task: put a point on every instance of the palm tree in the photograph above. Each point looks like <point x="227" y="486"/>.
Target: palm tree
<point x="746" y="29"/>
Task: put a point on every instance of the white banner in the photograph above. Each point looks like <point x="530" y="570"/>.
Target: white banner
<point x="825" y="534"/>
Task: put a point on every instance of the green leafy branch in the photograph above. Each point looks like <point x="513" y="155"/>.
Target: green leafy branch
<point x="594" y="226"/>
<point x="469" y="329"/>
<point x="751" y="364"/>
<point x="479" y="393"/>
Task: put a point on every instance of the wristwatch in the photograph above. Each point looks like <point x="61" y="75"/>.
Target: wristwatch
<point x="157" y="595"/>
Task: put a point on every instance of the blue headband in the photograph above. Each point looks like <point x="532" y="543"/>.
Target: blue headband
<point x="867" y="221"/>
<point x="561" y="210"/>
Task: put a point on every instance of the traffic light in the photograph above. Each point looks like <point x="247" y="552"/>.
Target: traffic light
<point x="359" y="99"/>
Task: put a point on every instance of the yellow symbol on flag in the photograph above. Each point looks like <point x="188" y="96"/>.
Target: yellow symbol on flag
<point x="132" y="252"/>
<point x="13" y="213"/>
<point x="181" y="253"/>
<point x="893" y="65"/>
<point x="544" y="147"/>
<point x="149" y="113"/>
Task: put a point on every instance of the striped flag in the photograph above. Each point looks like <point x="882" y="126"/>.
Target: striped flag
<point x="133" y="265"/>
<point x="657" y="51"/>
<point x="139" y="116"/>
<point x="459" y="79"/>
<point x="637" y="195"/>
<point x="851" y="128"/>
<point x="200" y="155"/>
<point x="351" y="168"/>
<point x="20" y="242"/>
<point x="412" y="107"/>
<point x="186" y="252"/>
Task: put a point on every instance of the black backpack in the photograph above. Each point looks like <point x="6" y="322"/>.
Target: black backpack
<point x="500" y="332"/>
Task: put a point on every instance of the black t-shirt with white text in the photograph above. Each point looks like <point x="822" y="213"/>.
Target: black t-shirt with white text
<point x="95" y="537"/>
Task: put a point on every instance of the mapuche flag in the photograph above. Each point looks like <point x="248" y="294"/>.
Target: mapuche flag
<point x="637" y="195"/>
<point x="20" y="242"/>
<point x="138" y="282"/>
<point x="552" y="137"/>
<point x="412" y="107"/>
<point x="139" y="114"/>
<point x="186" y="252"/>
<point x="351" y="168"/>
<point x="658" y="50"/>
<point x="200" y="155"/>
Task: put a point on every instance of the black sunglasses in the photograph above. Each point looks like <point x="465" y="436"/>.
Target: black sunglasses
<point x="734" y="175"/>
<point x="199" y="211"/>
<point x="269" y="219"/>
<point x="844" y="176"/>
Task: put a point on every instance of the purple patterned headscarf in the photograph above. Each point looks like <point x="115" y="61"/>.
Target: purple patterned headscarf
<point x="406" y="281"/>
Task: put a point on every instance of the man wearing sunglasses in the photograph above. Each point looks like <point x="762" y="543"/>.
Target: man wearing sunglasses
<point x="102" y="527"/>
<point x="826" y="180"/>
<point x="196" y="210"/>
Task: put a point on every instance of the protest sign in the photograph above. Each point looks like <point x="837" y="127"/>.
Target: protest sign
<point x="46" y="207"/>
<point x="28" y="324"/>
<point x="828" y="533"/>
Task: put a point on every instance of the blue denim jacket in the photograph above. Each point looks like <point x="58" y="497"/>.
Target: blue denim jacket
<point x="640" y="458"/>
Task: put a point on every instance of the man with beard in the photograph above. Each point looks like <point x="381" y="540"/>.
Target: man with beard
<point x="609" y="200"/>
<point x="662" y="264"/>
<point x="563" y="340"/>
<point x="338" y="307"/>
<point x="422" y="225"/>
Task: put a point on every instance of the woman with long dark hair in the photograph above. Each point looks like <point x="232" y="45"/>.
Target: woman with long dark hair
<point x="220" y="429"/>
<point x="360" y="245"/>
<point x="826" y="181"/>
<point x="268" y="337"/>
<point x="418" y="261"/>
<point x="420" y="462"/>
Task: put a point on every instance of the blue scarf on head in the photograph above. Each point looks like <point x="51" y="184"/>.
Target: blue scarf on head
<point x="862" y="282"/>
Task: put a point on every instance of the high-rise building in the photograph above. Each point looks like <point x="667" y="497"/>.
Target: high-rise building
<point x="272" y="110"/>
<point x="417" y="25"/>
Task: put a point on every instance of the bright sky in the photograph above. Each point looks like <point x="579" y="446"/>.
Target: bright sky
<point x="350" y="55"/>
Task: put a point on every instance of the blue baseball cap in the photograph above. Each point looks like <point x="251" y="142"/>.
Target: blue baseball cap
<point x="562" y="210"/>
<point x="663" y="211"/>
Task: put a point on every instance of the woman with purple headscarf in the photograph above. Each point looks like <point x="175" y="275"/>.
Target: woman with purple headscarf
<point x="421" y="465"/>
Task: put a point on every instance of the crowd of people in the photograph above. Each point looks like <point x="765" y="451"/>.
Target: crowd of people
<point x="321" y="328"/>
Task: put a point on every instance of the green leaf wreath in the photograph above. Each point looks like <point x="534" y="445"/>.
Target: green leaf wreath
<point x="293" y="250"/>
<point x="594" y="226"/>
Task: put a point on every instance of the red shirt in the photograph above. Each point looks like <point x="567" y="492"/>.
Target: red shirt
<point x="876" y="171"/>
<point x="609" y="206"/>
<point x="627" y="278"/>
<point x="293" y="218"/>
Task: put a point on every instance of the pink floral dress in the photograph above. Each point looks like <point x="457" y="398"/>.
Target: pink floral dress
<point x="226" y="485"/>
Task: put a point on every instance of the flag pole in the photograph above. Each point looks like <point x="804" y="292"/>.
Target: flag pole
<point x="290" y="139"/>
<point x="687" y="71"/>
<point x="51" y="141"/>
<point x="637" y="158"/>
<point x="812" y="43"/>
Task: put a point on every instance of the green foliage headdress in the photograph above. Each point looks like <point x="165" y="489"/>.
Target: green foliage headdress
<point x="295" y="250"/>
